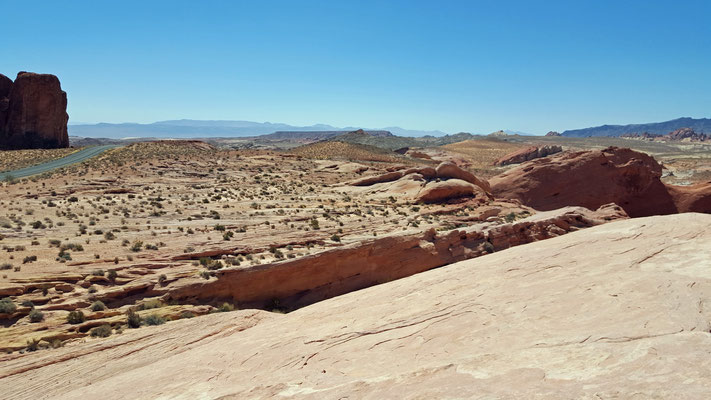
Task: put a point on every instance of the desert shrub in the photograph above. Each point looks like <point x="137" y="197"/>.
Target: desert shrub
<point x="36" y="316"/>
<point x="335" y="238"/>
<point x="225" y="307"/>
<point x="32" y="345"/>
<point x="101" y="331"/>
<point x="97" y="306"/>
<point x="154" y="319"/>
<point x="150" y="304"/>
<point x="510" y="217"/>
<point x="112" y="275"/>
<point x="98" y="272"/>
<point x="29" y="259"/>
<point x="187" y="314"/>
<point x="5" y="266"/>
<point x="136" y="246"/>
<point x="7" y="306"/>
<point x="162" y="279"/>
<point x="76" y="317"/>
<point x="133" y="320"/>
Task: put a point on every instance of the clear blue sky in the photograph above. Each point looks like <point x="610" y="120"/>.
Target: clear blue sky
<point x="475" y="66"/>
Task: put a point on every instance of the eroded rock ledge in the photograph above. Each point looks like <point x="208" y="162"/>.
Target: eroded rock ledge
<point x="307" y="280"/>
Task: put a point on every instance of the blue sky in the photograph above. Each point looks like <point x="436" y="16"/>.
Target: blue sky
<point x="475" y="66"/>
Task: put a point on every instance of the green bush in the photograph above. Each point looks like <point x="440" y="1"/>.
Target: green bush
<point x="133" y="320"/>
<point x="136" y="246"/>
<point x="97" y="306"/>
<point x="76" y="317"/>
<point x="101" y="331"/>
<point x="154" y="319"/>
<point x="112" y="274"/>
<point x="36" y="316"/>
<point x="7" y="306"/>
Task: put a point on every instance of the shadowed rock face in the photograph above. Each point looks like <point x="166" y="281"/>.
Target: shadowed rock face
<point x="33" y="112"/>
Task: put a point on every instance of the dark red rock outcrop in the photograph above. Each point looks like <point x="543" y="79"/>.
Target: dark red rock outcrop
<point x="528" y="154"/>
<point x="593" y="178"/>
<point x="589" y="179"/>
<point x="694" y="198"/>
<point x="33" y="112"/>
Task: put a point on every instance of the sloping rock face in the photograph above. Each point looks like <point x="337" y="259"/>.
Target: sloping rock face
<point x="310" y="279"/>
<point x="693" y="198"/>
<point x="589" y="179"/>
<point x="528" y="154"/>
<point x="436" y="192"/>
<point x="33" y="112"/>
<point x="556" y="319"/>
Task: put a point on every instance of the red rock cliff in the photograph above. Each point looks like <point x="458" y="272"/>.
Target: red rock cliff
<point x="33" y="112"/>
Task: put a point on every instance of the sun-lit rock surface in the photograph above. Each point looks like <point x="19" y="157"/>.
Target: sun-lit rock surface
<point x="615" y="311"/>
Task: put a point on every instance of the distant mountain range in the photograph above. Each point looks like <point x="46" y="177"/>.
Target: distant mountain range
<point x="188" y="128"/>
<point x="701" y="125"/>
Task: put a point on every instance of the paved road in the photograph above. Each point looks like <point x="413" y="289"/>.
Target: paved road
<point x="73" y="158"/>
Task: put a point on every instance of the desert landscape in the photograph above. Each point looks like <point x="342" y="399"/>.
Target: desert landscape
<point x="426" y="203"/>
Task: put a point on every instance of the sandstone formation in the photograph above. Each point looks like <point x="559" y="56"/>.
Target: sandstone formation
<point x="426" y="184"/>
<point x="528" y="154"/>
<point x="555" y="319"/>
<point x="553" y="133"/>
<point x="687" y="134"/>
<point x="33" y="112"/>
<point x="310" y="279"/>
<point x="592" y="178"/>
<point x="693" y="198"/>
<point x="437" y="192"/>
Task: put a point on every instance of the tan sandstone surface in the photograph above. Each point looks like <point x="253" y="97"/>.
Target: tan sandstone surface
<point x="618" y="310"/>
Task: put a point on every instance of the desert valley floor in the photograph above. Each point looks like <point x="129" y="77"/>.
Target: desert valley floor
<point x="185" y="269"/>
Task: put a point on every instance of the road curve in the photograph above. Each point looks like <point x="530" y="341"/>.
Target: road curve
<point x="73" y="158"/>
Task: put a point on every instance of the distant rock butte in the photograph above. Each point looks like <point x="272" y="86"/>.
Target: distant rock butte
<point x="592" y="178"/>
<point x="528" y="154"/>
<point x="682" y="134"/>
<point x="553" y="133"/>
<point x="33" y="112"/>
<point x="554" y="319"/>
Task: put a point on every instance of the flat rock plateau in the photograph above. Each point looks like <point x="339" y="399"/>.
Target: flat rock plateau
<point x="525" y="322"/>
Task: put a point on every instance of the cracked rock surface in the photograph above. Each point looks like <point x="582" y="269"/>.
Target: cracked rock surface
<point x="620" y="310"/>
